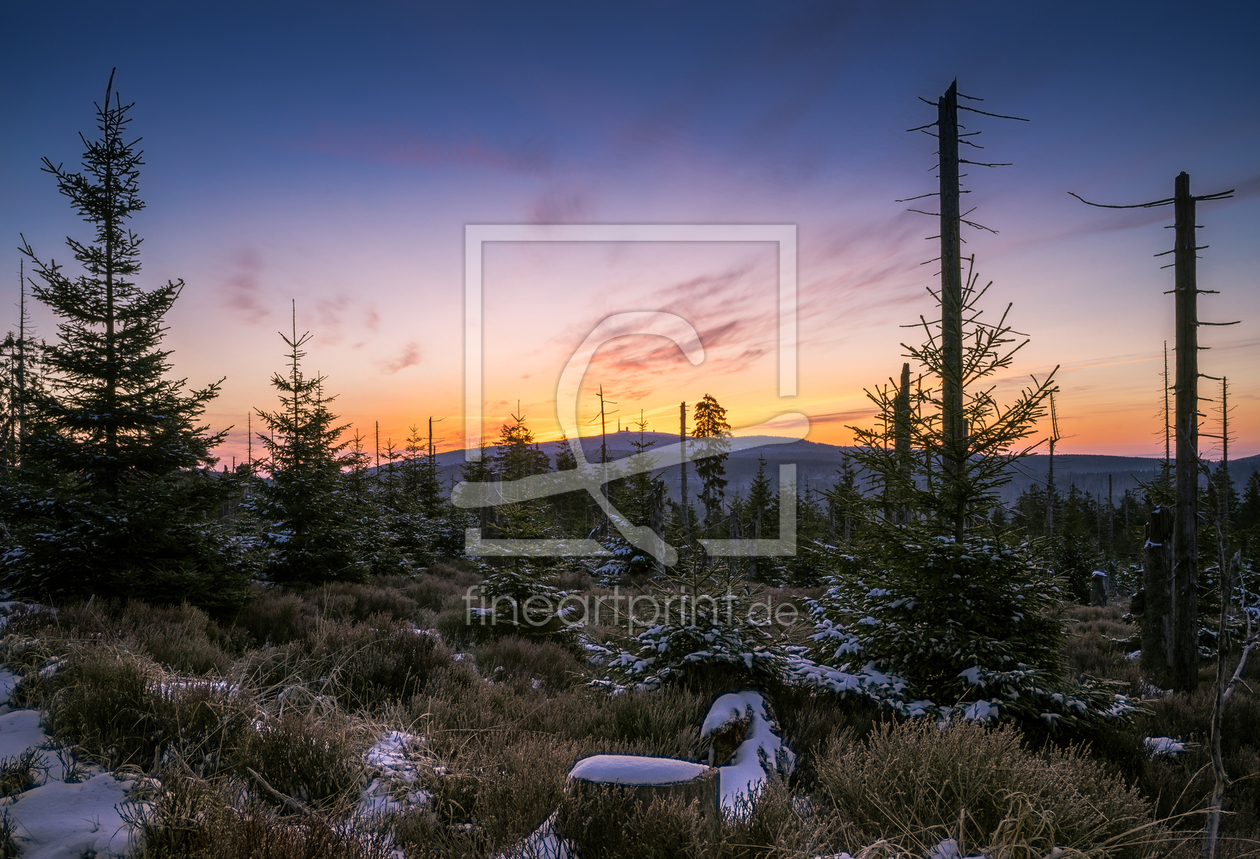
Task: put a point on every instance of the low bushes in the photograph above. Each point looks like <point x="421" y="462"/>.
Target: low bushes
<point x="606" y="825"/>
<point x="313" y="760"/>
<point x="529" y="660"/>
<point x="265" y="729"/>
<point x="192" y="818"/>
<point x="122" y="710"/>
<point x="916" y="784"/>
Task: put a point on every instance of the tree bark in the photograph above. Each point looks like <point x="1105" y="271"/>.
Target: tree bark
<point x="953" y="425"/>
<point x="1185" y="660"/>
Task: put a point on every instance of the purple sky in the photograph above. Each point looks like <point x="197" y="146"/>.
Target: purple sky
<point x="333" y="155"/>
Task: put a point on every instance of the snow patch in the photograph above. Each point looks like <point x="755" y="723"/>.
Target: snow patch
<point x="1163" y="746"/>
<point x="390" y="791"/>
<point x="635" y="770"/>
<point x="61" y="819"/>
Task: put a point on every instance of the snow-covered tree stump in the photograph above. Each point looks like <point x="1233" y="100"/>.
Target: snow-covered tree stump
<point x="1098" y="589"/>
<point x="745" y="746"/>
<point x="603" y="790"/>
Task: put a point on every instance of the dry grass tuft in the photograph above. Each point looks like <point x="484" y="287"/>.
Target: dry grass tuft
<point x="515" y="658"/>
<point x="21" y="771"/>
<point x="920" y="784"/>
<point x="191" y="818"/>
<point x="123" y="710"/>
<point x="316" y="761"/>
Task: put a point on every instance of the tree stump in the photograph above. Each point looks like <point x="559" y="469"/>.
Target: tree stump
<point x="1157" y="612"/>
<point x="607" y="796"/>
<point x="1098" y="589"/>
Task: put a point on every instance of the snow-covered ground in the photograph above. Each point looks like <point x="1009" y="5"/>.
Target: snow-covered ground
<point x="73" y="811"/>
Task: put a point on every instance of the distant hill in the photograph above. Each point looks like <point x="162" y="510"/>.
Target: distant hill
<point x="816" y="466"/>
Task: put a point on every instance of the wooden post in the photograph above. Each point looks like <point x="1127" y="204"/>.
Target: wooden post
<point x="21" y="362"/>
<point x="1167" y="412"/>
<point x="1111" y="522"/>
<point x="1224" y="492"/>
<point x="952" y="421"/>
<point x="1185" y="666"/>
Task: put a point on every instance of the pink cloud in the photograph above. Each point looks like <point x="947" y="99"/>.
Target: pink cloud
<point x="409" y="357"/>
<point x="242" y="291"/>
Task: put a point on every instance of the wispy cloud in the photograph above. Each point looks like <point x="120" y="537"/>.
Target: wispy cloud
<point x="408" y="148"/>
<point x="845" y="417"/>
<point x="242" y="291"/>
<point x="409" y="357"/>
<point x="559" y="205"/>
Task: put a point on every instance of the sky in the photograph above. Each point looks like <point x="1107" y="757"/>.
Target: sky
<point x="330" y="158"/>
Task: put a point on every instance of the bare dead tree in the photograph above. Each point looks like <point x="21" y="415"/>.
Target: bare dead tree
<point x="682" y="467"/>
<point x="1184" y="596"/>
<point x="1052" y="493"/>
<point x="901" y="434"/>
<point x="954" y="291"/>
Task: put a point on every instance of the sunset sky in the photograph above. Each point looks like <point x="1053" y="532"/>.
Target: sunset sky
<point x="334" y="154"/>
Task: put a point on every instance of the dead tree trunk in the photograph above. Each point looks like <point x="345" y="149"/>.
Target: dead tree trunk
<point x="682" y="466"/>
<point x="901" y="434"/>
<point x="1184" y="581"/>
<point x="1185" y="662"/>
<point x="953" y="425"/>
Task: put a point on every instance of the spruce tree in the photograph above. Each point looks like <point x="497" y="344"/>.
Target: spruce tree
<point x="310" y="531"/>
<point x="759" y="512"/>
<point x="639" y="497"/>
<point x="712" y="433"/>
<point x="517" y="455"/>
<point x="114" y="496"/>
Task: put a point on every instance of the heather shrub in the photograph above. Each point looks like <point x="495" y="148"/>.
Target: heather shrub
<point x="275" y="617"/>
<point x="457" y="626"/>
<point x="121" y="709"/>
<point x="509" y="783"/>
<point x="438" y="588"/>
<point x="516" y="658"/>
<point x="1098" y="644"/>
<point x="179" y="637"/>
<point x="353" y="601"/>
<point x="386" y="667"/>
<point x="606" y="823"/>
<point x="191" y="818"/>
<point x="313" y="760"/>
<point x="1183" y="783"/>
<point x="77" y="620"/>
<point x="667" y="722"/>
